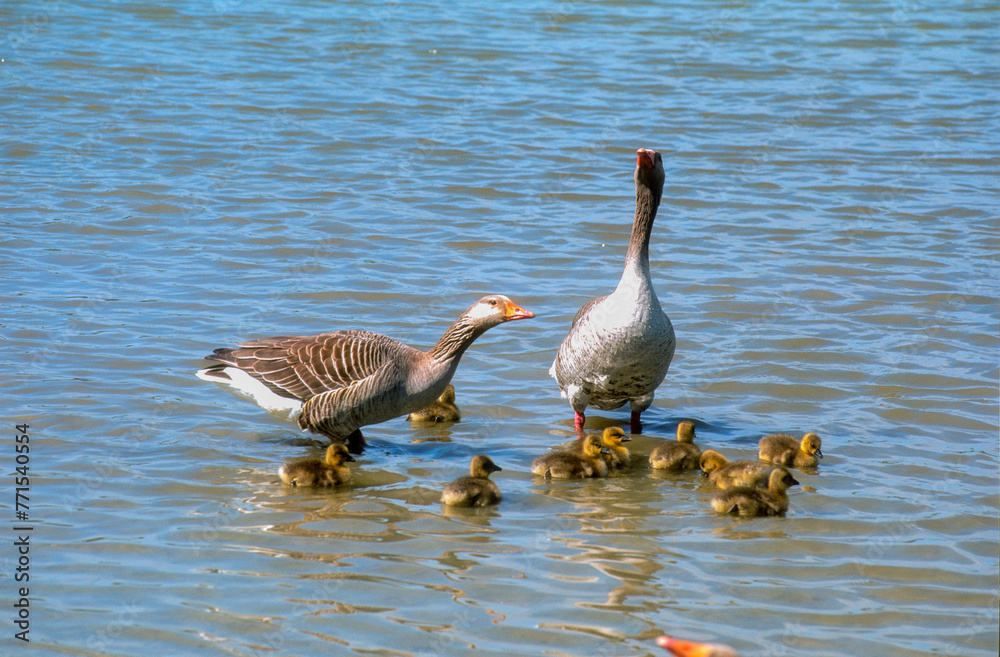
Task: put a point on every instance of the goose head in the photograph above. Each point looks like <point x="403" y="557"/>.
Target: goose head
<point x="495" y="309"/>
<point x="649" y="171"/>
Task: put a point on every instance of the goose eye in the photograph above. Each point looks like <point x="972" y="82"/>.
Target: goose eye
<point x="493" y="302"/>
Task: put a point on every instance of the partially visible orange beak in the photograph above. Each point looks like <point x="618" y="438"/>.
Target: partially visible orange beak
<point x="515" y="311"/>
<point x="684" y="648"/>
<point x="645" y="158"/>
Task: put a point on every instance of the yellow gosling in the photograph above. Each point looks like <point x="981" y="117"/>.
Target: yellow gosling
<point x="566" y="464"/>
<point x="443" y="410"/>
<point x="723" y="473"/>
<point x="783" y="449"/>
<point x="617" y="455"/>
<point x="752" y="501"/>
<point x="680" y="455"/>
<point x="330" y="471"/>
<point x="477" y="489"/>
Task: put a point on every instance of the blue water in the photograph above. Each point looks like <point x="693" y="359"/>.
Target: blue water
<point x="182" y="176"/>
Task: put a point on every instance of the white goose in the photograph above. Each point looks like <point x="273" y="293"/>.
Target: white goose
<point x="619" y="346"/>
<point x="335" y="383"/>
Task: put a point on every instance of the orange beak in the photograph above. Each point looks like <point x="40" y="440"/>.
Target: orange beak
<point x="515" y="311"/>
<point x="645" y="158"/>
<point x="685" y="648"/>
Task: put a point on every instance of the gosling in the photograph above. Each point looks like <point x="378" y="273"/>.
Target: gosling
<point x="330" y="471"/>
<point x="782" y="449"/>
<point x="442" y="410"/>
<point x="565" y="464"/>
<point x="615" y="454"/>
<point x="723" y="473"/>
<point x="476" y="489"/>
<point x="680" y="455"/>
<point x="751" y="501"/>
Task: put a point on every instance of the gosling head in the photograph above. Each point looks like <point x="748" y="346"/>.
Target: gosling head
<point x="711" y="461"/>
<point x="592" y="447"/>
<point x="781" y="479"/>
<point x="337" y="454"/>
<point x="482" y="466"/>
<point x="615" y="436"/>
<point x="685" y="432"/>
<point x="811" y="444"/>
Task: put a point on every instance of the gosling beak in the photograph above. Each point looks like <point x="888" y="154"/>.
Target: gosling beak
<point x="685" y="648"/>
<point x="645" y="158"/>
<point x="349" y="458"/>
<point x="819" y="452"/>
<point x="515" y="311"/>
<point x="626" y="438"/>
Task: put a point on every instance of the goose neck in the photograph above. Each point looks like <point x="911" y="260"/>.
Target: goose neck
<point x="456" y="340"/>
<point x="646" y="204"/>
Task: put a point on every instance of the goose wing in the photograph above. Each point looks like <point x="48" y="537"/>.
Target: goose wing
<point x="304" y="367"/>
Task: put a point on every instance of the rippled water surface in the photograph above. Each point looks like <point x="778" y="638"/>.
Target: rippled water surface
<point x="182" y="176"/>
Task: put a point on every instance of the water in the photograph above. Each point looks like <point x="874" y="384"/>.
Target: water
<point x="182" y="176"/>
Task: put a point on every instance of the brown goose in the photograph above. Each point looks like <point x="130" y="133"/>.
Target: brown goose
<point x="476" y="489"/>
<point x="680" y="455"/>
<point x="754" y="501"/>
<point x="619" y="346"/>
<point x="788" y="450"/>
<point x="336" y="383"/>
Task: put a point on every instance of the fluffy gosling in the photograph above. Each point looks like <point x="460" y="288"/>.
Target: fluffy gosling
<point x="723" y="473"/>
<point x="330" y="471"/>
<point x="566" y="464"/>
<point x="752" y="501"/>
<point x="680" y="455"/>
<point x="783" y="449"/>
<point x="443" y="410"/>
<point x="476" y="489"/>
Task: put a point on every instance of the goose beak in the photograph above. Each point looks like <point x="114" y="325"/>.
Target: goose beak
<point x="645" y="158"/>
<point x="515" y="311"/>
